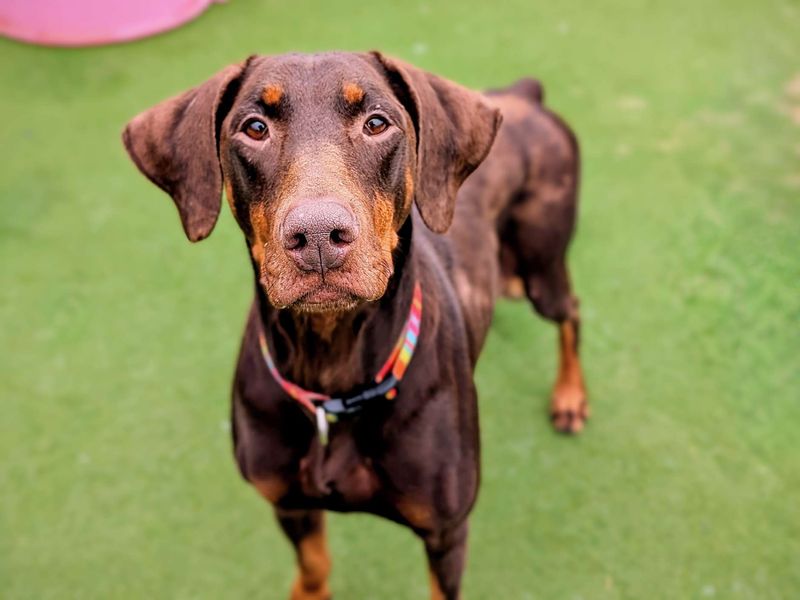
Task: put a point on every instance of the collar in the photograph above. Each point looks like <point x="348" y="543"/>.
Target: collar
<point x="327" y="409"/>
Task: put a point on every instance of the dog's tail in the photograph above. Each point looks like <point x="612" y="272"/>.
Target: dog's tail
<point x="528" y="88"/>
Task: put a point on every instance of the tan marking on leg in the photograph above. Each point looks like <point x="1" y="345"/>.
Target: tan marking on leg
<point x="353" y="93"/>
<point x="272" y="94"/>
<point x="272" y="488"/>
<point x="314" y="567"/>
<point x="436" y="589"/>
<point x="513" y="287"/>
<point x="569" y="408"/>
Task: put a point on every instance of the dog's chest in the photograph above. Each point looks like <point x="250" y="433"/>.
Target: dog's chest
<point x="338" y="472"/>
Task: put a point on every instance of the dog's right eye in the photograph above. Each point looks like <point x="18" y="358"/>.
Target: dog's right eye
<point x="375" y="125"/>
<point x="255" y="129"/>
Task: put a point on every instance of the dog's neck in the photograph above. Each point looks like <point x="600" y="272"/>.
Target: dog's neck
<point x="334" y="353"/>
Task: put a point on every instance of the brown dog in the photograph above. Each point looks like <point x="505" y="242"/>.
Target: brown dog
<point x="322" y="158"/>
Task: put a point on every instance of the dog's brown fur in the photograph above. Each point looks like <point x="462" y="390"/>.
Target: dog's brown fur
<point x="414" y="459"/>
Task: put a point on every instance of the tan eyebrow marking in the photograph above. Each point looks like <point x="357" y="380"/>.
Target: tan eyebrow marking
<point x="353" y="94"/>
<point x="272" y="94"/>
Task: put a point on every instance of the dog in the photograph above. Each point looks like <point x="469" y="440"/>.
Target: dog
<point x="385" y="209"/>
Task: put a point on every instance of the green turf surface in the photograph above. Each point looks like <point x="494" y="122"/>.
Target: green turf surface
<point x="119" y="337"/>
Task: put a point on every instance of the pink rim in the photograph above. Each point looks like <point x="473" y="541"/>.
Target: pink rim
<point x="75" y="23"/>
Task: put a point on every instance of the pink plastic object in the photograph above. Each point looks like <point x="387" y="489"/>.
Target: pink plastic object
<point x="93" y="22"/>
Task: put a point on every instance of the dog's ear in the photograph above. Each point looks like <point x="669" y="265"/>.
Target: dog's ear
<point x="455" y="129"/>
<point x="175" y="144"/>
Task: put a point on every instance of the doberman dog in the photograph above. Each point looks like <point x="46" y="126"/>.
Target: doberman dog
<point x="378" y="256"/>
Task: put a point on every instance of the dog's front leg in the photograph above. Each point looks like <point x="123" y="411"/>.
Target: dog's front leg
<point x="306" y="530"/>
<point x="446" y="550"/>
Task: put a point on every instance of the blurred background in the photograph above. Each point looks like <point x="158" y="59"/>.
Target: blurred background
<point x="119" y="337"/>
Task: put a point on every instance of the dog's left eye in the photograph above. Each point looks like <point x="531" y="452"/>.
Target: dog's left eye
<point x="256" y="129"/>
<point x="375" y="125"/>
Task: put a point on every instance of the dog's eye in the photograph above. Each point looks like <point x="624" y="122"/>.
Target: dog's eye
<point x="256" y="129"/>
<point x="375" y="125"/>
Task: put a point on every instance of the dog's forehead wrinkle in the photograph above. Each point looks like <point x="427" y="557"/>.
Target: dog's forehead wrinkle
<point x="308" y="78"/>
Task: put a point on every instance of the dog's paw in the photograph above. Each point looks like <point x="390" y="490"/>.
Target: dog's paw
<point x="300" y="593"/>
<point x="569" y="409"/>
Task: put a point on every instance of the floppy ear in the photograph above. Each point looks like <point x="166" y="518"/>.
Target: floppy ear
<point x="455" y="129"/>
<point x="175" y="144"/>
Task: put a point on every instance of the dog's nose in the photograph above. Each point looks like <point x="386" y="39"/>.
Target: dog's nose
<point x="318" y="234"/>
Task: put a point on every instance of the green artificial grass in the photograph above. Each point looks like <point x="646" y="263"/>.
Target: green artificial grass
<point x="119" y="337"/>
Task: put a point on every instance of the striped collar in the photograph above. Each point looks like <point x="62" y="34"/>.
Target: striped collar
<point x="327" y="409"/>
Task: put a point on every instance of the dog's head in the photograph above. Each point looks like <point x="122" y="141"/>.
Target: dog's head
<point x="321" y="158"/>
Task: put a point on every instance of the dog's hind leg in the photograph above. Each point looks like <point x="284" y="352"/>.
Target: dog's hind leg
<point x="550" y="293"/>
<point x="538" y="232"/>
<point x="306" y="530"/>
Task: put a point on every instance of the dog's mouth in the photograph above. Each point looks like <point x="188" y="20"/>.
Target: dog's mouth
<point x="326" y="298"/>
<point x="337" y="290"/>
<point x="311" y="293"/>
